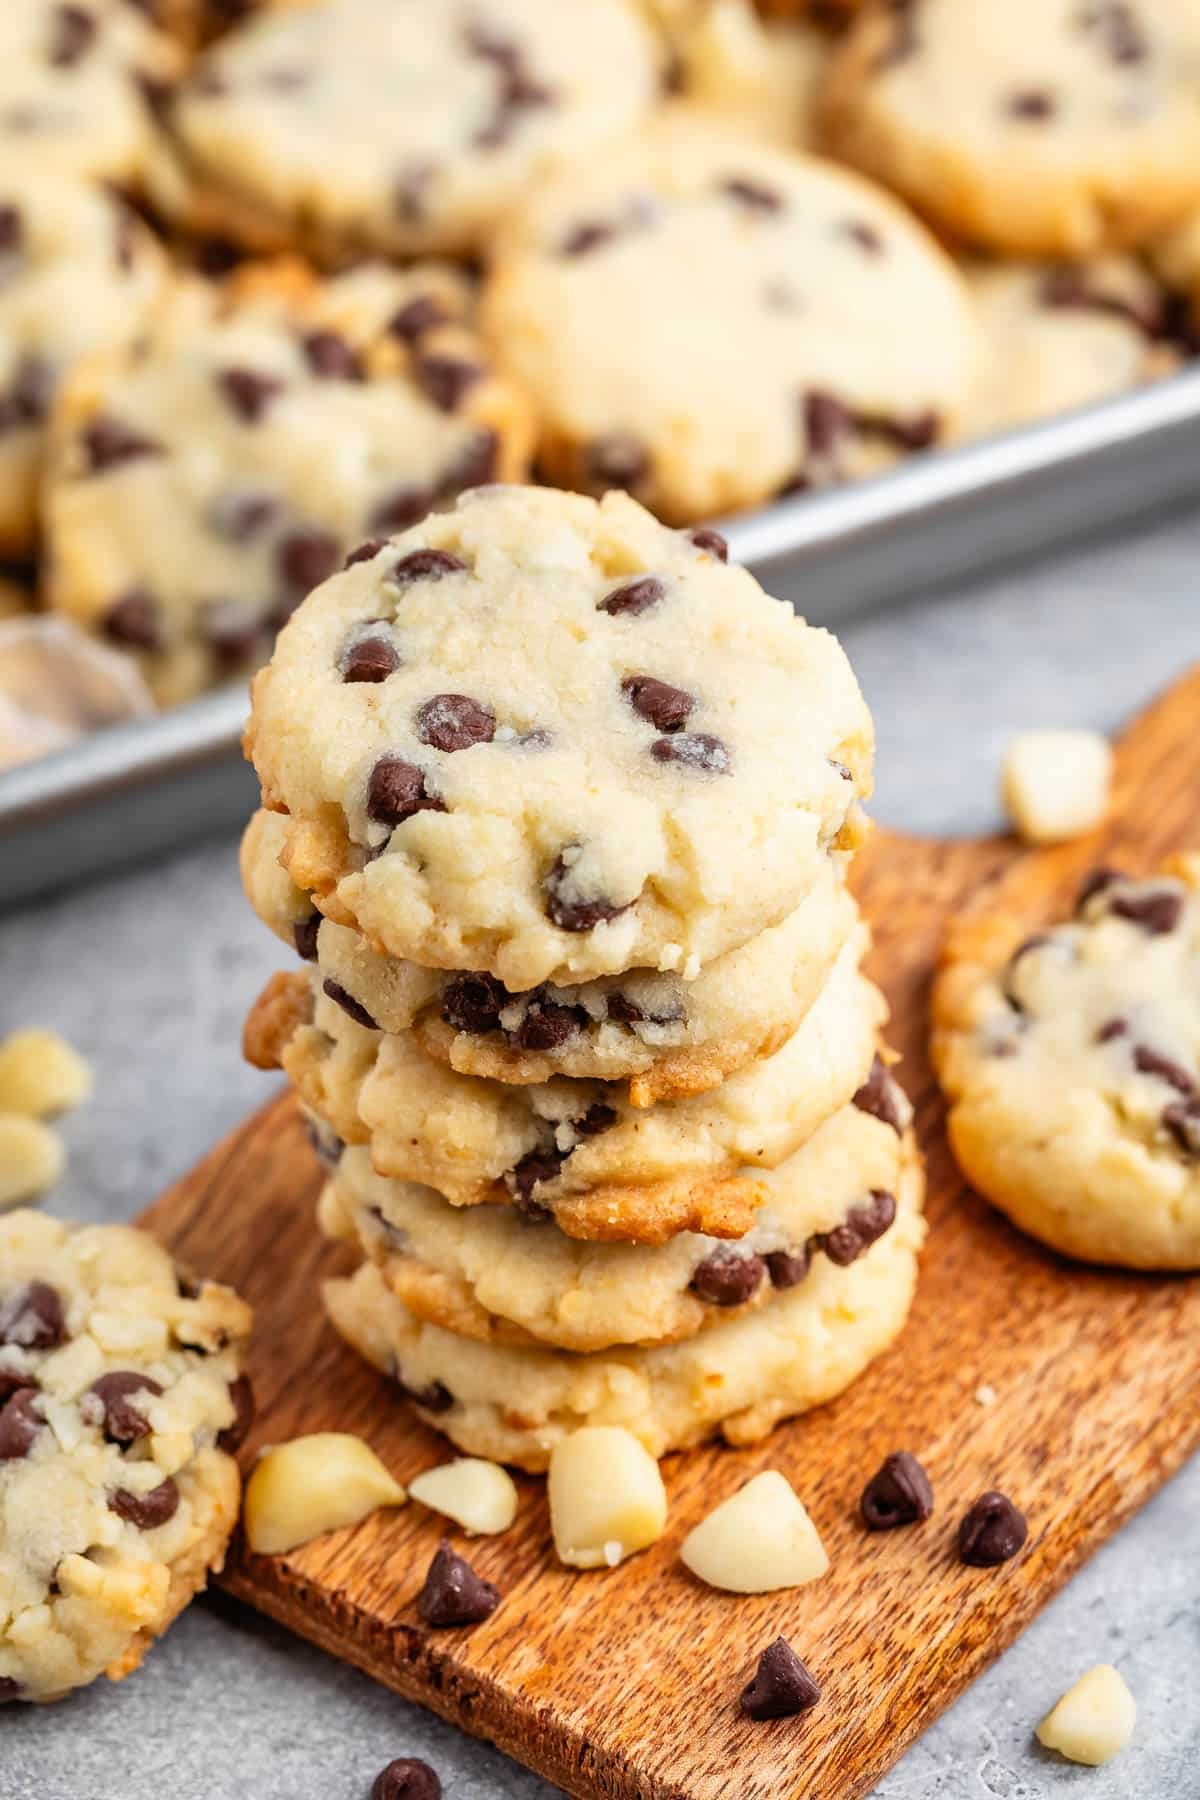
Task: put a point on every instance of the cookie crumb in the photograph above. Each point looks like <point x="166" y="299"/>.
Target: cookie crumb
<point x="1094" y="1720"/>
<point x="985" y="1394"/>
<point x="759" y="1540"/>
<point x="1056" y="785"/>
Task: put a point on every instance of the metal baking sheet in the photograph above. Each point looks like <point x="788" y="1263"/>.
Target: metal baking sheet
<point x="137" y="790"/>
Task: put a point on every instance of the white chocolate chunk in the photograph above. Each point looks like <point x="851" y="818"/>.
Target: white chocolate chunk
<point x="311" y="1485"/>
<point x="607" y="1499"/>
<point x="480" y="1496"/>
<point x="32" y="1158"/>
<point x="758" y="1540"/>
<point x="1056" y="784"/>
<point x="1093" y="1720"/>
<point x="40" y="1073"/>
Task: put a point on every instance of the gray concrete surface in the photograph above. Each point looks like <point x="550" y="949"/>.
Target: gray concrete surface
<point x="150" y="975"/>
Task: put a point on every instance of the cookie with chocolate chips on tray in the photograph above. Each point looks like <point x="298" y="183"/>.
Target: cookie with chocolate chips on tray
<point x="786" y="378"/>
<point x="485" y="1274"/>
<point x="1036" y="128"/>
<point x="800" y="1347"/>
<point x="664" y="1035"/>
<point x="574" y="1150"/>
<point x="122" y="1400"/>
<point x="344" y="127"/>
<point x="1071" y="1060"/>
<point x="203" y="478"/>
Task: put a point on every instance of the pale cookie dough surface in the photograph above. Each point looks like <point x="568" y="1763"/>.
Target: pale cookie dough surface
<point x="762" y="78"/>
<point x="353" y="125"/>
<point x="78" y="271"/>
<point x="76" y="87"/>
<point x="593" y="730"/>
<point x="577" y="1149"/>
<point x="785" y="378"/>
<point x="665" y="1035"/>
<point x="1071" y="1059"/>
<point x="1057" y="336"/>
<point x="1038" y="128"/>
<point x="205" y="477"/>
<point x="739" y="1379"/>
<point x="116" y="1498"/>
<point x="490" y="1273"/>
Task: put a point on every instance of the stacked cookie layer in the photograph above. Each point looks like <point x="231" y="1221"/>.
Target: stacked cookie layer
<point x="560" y="806"/>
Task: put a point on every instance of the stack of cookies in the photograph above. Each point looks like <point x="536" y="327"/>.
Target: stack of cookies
<point x="557" y="812"/>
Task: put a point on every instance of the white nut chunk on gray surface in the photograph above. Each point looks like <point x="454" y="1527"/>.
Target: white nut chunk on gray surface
<point x="1056" y="785"/>
<point x="311" y="1485"/>
<point x="41" y="1074"/>
<point x="757" y="1541"/>
<point x="478" y="1495"/>
<point x="32" y="1158"/>
<point x="1093" y="1720"/>
<point x="607" y="1499"/>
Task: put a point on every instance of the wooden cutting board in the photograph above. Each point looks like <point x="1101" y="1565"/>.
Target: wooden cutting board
<point x="625" y="1684"/>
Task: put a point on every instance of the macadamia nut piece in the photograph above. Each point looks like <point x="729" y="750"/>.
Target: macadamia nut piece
<point x="1093" y="1720"/>
<point x="758" y="1540"/>
<point x="41" y="1074"/>
<point x="1056" y="784"/>
<point x="32" y="1158"/>
<point x="311" y="1485"/>
<point x="480" y="1496"/>
<point x="607" y="1499"/>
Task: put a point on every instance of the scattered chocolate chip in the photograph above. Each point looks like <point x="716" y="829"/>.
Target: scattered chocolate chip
<point x="349" y="1005"/>
<point x="991" y="1531"/>
<point x="146" y="1511"/>
<point x="788" y="1268"/>
<point x="575" y="915"/>
<point x="306" y="557"/>
<point x="667" y="708"/>
<point x="474" y="466"/>
<point x="304" y="935"/>
<point x="234" y="1435"/>
<point x="695" y="750"/>
<point x="123" y="1422"/>
<point x="406" y="1779"/>
<point x="397" y="790"/>
<point x="633" y="597"/>
<point x="240" y="517"/>
<point x="232" y="630"/>
<point x="10" y="1689"/>
<point x="20" y="1423"/>
<point x="587" y="236"/>
<point x="1151" y="1062"/>
<point x="435" y="1398"/>
<point x="618" y="460"/>
<point x="426" y="565"/>
<point x="135" y="621"/>
<point x="400" y="507"/>
<point x="547" y="1026"/>
<point x="107" y="444"/>
<point x="72" y="36"/>
<point x="32" y="1318"/>
<point x="705" y="538"/>
<point x="454" y="722"/>
<point x="880" y="1097"/>
<point x="535" y="1168"/>
<point x="248" y="392"/>
<point x="899" y="1493"/>
<point x="1182" y="1119"/>
<point x="369" y="659"/>
<point x="453" y="1593"/>
<point x="1157" y="913"/>
<point x="1031" y="103"/>
<point x="331" y="358"/>
<point x="474" y="1002"/>
<point x="782" y="1686"/>
<point x="754" y="195"/>
<point x="1096" y="883"/>
<point x="417" y="316"/>
<point x="1111" y="1029"/>
<point x="861" y="1227"/>
<point x="865" y="236"/>
<point x="446" y="379"/>
<point x="365" y="552"/>
<point x="727" y="1277"/>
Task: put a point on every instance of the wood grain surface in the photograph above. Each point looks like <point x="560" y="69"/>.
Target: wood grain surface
<point x="625" y="1684"/>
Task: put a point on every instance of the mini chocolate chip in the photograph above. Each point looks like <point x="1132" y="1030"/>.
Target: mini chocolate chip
<point x="879" y="1096"/>
<point x="695" y="750"/>
<point x="417" y="316"/>
<point x="397" y="790"/>
<point x="587" y="236"/>
<point x="107" y="444"/>
<point x="401" y="506"/>
<point x="12" y="228"/>
<point x="426" y="565"/>
<point x="575" y="915"/>
<point x="146" y="1511"/>
<point x="365" y="552"/>
<point x="240" y="517"/>
<point x="446" y="379"/>
<point x="1157" y="913"/>
<point x="705" y="538"/>
<point x="408" y="1778"/>
<point x="899" y="1493"/>
<point x="474" y="466"/>
<point x="1182" y="1119"/>
<point x="435" y="1398"/>
<point x="596" y="1119"/>
<point x="453" y="1593"/>
<point x="1151" y="1062"/>
<point x="135" y="621"/>
<point x="304" y="936"/>
<point x="865" y="236"/>
<point x="1111" y="1029"/>
<point x="861" y="1227"/>
<point x="11" y="1382"/>
<point x="1031" y="103"/>
<point x="618" y="460"/>
<point x="667" y="708"/>
<point x="915" y="433"/>
<point x="788" y="1268"/>
<point x="826" y="421"/>
<point x="123" y="1423"/>
<point x="234" y="1435"/>
<point x="752" y="194"/>
<point x="10" y="1689"/>
<point x="349" y="1005"/>
<point x="369" y="659"/>
<point x="19" y="1425"/>
<point x="454" y="722"/>
<point x="33" y="1319"/>
<point x="633" y="597"/>
<point x="991" y="1531"/>
<point x="73" y="36"/>
<point x="27" y="401"/>
<point x="331" y="358"/>
<point x="248" y="392"/>
<point x="306" y="557"/>
<point x="1122" y="33"/>
<point x="232" y="630"/>
<point x="535" y="1168"/>
<point x="1096" y="883"/>
<point x="1068" y="287"/>
<point x="325" y="1142"/>
<point x="547" y="1026"/>
<point x="782" y="1686"/>
<point x="727" y="1277"/>
<point x="474" y="1001"/>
